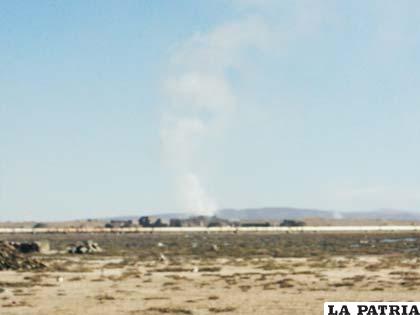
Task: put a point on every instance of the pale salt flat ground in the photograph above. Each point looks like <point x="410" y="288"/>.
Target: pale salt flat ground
<point x="265" y="286"/>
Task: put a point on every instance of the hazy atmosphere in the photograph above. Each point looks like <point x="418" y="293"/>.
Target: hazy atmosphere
<point x="164" y="106"/>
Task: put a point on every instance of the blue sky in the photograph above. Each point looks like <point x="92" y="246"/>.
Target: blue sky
<point x="127" y="107"/>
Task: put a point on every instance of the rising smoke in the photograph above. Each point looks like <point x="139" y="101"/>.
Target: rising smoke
<point x="200" y="102"/>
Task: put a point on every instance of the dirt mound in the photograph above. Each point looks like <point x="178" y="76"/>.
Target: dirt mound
<point x="11" y="259"/>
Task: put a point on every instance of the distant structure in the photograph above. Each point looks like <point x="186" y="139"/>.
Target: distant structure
<point x="292" y="223"/>
<point x="255" y="223"/>
<point x="175" y="222"/>
<point x="221" y="223"/>
<point x="200" y="221"/>
<point x="40" y="225"/>
<point x="120" y="223"/>
<point x="152" y="221"/>
<point x="197" y="221"/>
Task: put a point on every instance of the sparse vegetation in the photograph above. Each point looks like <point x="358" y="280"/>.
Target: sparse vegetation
<point x="222" y="309"/>
<point x="191" y="277"/>
<point x="169" y="310"/>
<point x="242" y="245"/>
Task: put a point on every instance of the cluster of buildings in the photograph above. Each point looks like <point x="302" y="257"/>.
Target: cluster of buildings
<point x="197" y="221"/>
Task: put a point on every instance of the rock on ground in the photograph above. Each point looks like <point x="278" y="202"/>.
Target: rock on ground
<point x="87" y="247"/>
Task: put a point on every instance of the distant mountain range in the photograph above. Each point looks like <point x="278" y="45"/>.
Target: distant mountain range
<point x="384" y="214"/>
<point x="282" y="213"/>
<point x="299" y="214"/>
<point x="273" y="214"/>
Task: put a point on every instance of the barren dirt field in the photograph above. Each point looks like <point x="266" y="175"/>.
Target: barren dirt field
<point x="214" y="273"/>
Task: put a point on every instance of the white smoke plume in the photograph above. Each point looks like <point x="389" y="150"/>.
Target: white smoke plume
<point x="200" y="101"/>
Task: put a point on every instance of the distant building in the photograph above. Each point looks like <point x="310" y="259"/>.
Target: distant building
<point x="120" y="223"/>
<point x="152" y="221"/>
<point x="200" y="221"/>
<point x="292" y="223"/>
<point x="195" y="221"/>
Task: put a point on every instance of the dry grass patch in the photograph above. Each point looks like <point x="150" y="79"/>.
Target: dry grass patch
<point x="169" y="310"/>
<point x="172" y="269"/>
<point x="176" y="277"/>
<point x="285" y="283"/>
<point x="166" y="284"/>
<point x="101" y="279"/>
<point x="104" y="297"/>
<point x="78" y="278"/>
<point x="245" y="288"/>
<point x="273" y="265"/>
<point x="7" y="284"/>
<point x="209" y="269"/>
<point x="222" y="309"/>
<point x="17" y="304"/>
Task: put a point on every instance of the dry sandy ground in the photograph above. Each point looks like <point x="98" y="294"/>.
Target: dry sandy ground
<point x="221" y="286"/>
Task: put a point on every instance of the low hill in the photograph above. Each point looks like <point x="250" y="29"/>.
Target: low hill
<point x="273" y="214"/>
